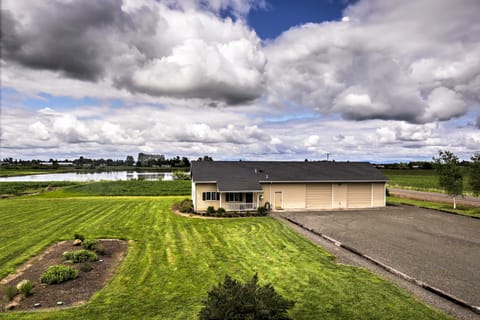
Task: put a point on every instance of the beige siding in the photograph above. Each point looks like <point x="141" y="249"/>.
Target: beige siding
<point x="339" y="195"/>
<point x="378" y="196"/>
<point x="293" y="194"/>
<point x="318" y="196"/>
<point x="359" y="195"/>
<point x="205" y="187"/>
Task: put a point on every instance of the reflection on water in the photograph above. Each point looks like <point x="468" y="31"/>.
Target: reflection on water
<point x="93" y="176"/>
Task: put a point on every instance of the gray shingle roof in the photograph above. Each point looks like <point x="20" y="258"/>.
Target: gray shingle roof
<point x="247" y="175"/>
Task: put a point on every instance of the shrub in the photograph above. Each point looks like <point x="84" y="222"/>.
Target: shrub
<point x="80" y="256"/>
<point x="90" y="245"/>
<point x="211" y="210"/>
<point x="11" y="292"/>
<point x="78" y="236"/>
<point x="221" y="212"/>
<point x="58" y="274"/>
<point x="261" y="211"/>
<point x="234" y="300"/>
<point x="86" y="267"/>
<point x="25" y="287"/>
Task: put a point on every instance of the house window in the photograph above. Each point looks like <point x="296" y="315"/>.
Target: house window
<point x="210" y="196"/>
<point x="234" y="197"/>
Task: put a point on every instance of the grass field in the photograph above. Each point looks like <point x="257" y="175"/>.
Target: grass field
<point x="101" y="188"/>
<point x="418" y="179"/>
<point x="447" y="207"/>
<point x="173" y="261"/>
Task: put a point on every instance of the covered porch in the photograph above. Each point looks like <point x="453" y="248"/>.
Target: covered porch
<point x="240" y="201"/>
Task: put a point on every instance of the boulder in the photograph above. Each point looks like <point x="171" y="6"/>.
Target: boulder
<point x="12" y="305"/>
<point x="77" y="242"/>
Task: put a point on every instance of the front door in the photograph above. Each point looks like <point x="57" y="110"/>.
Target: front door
<point x="278" y="200"/>
<point x="249" y="197"/>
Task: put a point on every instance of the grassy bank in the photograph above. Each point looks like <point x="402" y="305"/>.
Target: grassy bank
<point x="447" y="207"/>
<point x="101" y="188"/>
<point x="418" y="179"/>
<point x="174" y="261"/>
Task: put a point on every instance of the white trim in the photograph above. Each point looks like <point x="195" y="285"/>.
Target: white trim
<point x="323" y="181"/>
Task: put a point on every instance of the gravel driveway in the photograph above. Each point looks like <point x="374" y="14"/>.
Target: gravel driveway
<point x="440" y="249"/>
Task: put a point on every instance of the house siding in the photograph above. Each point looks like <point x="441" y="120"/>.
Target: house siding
<point x="201" y="205"/>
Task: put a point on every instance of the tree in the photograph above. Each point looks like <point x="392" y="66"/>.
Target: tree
<point x="129" y="161"/>
<point x="234" y="300"/>
<point x="475" y="174"/>
<point x="180" y="175"/>
<point x="450" y="176"/>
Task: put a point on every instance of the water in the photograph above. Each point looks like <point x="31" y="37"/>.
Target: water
<point x="94" y="176"/>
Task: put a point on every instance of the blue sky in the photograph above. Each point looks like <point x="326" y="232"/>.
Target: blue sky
<point x="261" y="80"/>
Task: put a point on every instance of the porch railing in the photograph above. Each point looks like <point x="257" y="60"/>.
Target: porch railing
<point x="240" y="206"/>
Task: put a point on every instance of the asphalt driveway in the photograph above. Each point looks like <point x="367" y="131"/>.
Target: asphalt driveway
<point x="440" y="249"/>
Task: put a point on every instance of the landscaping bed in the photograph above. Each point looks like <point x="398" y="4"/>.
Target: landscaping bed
<point x="69" y="293"/>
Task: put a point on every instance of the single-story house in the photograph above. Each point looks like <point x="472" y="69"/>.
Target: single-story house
<point x="246" y="185"/>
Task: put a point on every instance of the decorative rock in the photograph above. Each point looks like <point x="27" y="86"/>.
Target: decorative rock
<point x="101" y="260"/>
<point x="37" y="305"/>
<point x="12" y="305"/>
<point x="77" y="242"/>
<point x="59" y="303"/>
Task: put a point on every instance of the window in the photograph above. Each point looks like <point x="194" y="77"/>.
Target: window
<point x="210" y="196"/>
<point x="234" y="197"/>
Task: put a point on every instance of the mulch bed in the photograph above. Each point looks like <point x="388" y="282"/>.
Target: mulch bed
<point x="70" y="293"/>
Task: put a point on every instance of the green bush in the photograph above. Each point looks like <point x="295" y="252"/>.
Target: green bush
<point x="186" y="206"/>
<point x="78" y="236"/>
<point x="80" y="256"/>
<point x="235" y="300"/>
<point x="210" y="210"/>
<point x="86" y="267"/>
<point x="11" y="292"/>
<point x="221" y="212"/>
<point x="90" y="244"/>
<point x="261" y="211"/>
<point x="25" y="287"/>
<point x="58" y="274"/>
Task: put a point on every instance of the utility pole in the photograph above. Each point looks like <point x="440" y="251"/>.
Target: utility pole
<point x="328" y="155"/>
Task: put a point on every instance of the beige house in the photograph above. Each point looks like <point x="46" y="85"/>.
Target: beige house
<point x="246" y="185"/>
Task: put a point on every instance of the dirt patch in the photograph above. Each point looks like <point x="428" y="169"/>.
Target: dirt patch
<point x="69" y="293"/>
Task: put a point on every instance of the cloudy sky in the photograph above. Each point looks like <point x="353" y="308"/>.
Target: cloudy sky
<point x="367" y="80"/>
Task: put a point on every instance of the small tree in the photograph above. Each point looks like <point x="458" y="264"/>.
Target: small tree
<point x="475" y="174"/>
<point x="450" y="176"/>
<point x="180" y="175"/>
<point x="235" y="301"/>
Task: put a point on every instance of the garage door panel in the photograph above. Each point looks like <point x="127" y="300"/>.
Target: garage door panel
<point x="359" y="195"/>
<point x="318" y="196"/>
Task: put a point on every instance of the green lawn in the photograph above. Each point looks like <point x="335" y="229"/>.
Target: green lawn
<point x="418" y="179"/>
<point x="174" y="261"/>
<point x="463" y="210"/>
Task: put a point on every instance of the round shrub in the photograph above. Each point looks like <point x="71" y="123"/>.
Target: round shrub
<point x="80" y="256"/>
<point x="90" y="244"/>
<point x="221" y="212"/>
<point x="11" y="292"/>
<point x="78" y="236"/>
<point x="25" y="287"/>
<point x="210" y="210"/>
<point x="58" y="274"/>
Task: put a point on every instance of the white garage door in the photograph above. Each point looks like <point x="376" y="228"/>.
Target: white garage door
<point x="318" y="196"/>
<point x="359" y="195"/>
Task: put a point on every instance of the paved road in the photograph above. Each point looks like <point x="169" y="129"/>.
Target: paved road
<point x="433" y="196"/>
<point x="440" y="249"/>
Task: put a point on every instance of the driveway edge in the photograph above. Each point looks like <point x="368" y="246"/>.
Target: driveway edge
<point x="388" y="268"/>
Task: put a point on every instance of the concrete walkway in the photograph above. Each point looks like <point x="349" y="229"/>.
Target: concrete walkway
<point x="440" y="249"/>
<point x="434" y="196"/>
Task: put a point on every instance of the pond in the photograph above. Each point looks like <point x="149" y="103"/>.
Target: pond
<point x="93" y="176"/>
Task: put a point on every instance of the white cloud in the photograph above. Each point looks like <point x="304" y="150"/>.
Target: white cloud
<point x="390" y="60"/>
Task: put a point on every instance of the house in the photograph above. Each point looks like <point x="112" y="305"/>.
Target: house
<point x="246" y="185"/>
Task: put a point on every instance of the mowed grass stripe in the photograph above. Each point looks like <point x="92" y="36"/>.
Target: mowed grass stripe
<point x="173" y="262"/>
